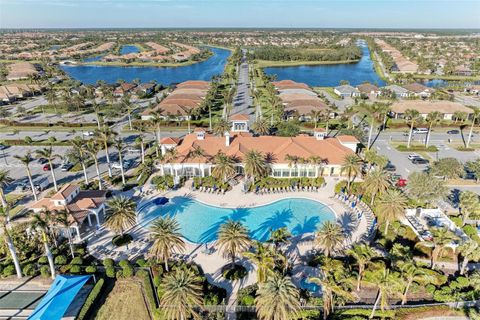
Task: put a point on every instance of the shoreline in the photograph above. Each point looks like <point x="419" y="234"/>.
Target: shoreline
<point x="270" y="63"/>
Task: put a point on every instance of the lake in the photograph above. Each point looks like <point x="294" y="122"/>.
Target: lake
<point x="330" y="75"/>
<point x="205" y="70"/>
<point x="126" y="49"/>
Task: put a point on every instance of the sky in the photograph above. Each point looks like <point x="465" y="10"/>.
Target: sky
<point x="406" y="14"/>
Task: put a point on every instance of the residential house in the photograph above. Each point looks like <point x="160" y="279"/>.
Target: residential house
<point x="398" y="91"/>
<point x="123" y="89"/>
<point x="446" y="108"/>
<point x="368" y="89"/>
<point x="346" y="90"/>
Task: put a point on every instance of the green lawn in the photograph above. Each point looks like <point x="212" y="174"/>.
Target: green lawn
<point x="269" y="63"/>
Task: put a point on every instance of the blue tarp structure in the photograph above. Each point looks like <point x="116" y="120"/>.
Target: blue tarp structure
<point x="59" y="297"/>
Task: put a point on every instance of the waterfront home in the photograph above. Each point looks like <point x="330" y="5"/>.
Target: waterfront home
<point x="123" y="89"/>
<point x="368" y="89"/>
<point x="346" y="90"/>
<point x="289" y="84"/>
<point x="419" y="90"/>
<point x="145" y="88"/>
<point x="446" y="108"/>
<point x="398" y="91"/>
<point x="20" y="71"/>
<point x="15" y="91"/>
<point x="301" y="156"/>
<point x="86" y="207"/>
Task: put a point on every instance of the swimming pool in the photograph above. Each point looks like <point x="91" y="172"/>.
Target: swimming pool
<point x="200" y="222"/>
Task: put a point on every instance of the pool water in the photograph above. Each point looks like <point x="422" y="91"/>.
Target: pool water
<point x="310" y="286"/>
<point x="200" y="222"/>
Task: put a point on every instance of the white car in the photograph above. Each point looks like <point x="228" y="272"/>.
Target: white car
<point x="420" y="131"/>
<point x="413" y="156"/>
<point x="116" y="165"/>
<point x="88" y="133"/>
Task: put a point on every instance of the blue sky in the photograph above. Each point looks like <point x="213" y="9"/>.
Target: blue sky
<point x="240" y="13"/>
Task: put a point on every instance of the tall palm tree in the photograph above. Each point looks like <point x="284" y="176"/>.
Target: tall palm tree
<point x="5" y="180"/>
<point x="475" y="117"/>
<point x="329" y="237"/>
<point x="62" y="219"/>
<point x="224" y="166"/>
<point x="386" y="283"/>
<point x="317" y="164"/>
<point x="104" y="136"/>
<point x="120" y="146"/>
<point x="261" y="127"/>
<point x="292" y="162"/>
<point x="391" y="205"/>
<point x="128" y="107"/>
<point x="315" y="115"/>
<point x="279" y="236"/>
<point x="47" y="153"/>
<point x="26" y="159"/>
<point x="372" y="110"/>
<point x="156" y="120"/>
<point x="376" y="182"/>
<point x="182" y="294"/>
<point x="228" y="99"/>
<point x="221" y="126"/>
<point x="469" y="251"/>
<point x="96" y="110"/>
<point x="92" y="148"/>
<point x="469" y="204"/>
<point x="352" y="166"/>
<point x="432" y="119"/>
<point x="441" y="239"/>
<point x="410" y="273"/>
<point x="79" y="148"/>
<point x="255" y="165"/>
<point x="40" y="223"/>
<point x="120" y="214"/>
<point x="140" y="140"/>
<point x="264" y="258"/>
<point x="167" y="239"/>
<point x="363" y="255"/>
<point x="233" y="238"/>
<point x="412" y="117"/>
<point x="277" y="298"/>
<point x="4" y="220"/>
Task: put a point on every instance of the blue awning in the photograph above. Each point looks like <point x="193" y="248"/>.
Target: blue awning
<point x="59" y="297"/>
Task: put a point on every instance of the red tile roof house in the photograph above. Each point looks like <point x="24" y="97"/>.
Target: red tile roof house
<point x="123" y="88"/>
<point x="85" y="207"/>
<point x="237" y="143"/>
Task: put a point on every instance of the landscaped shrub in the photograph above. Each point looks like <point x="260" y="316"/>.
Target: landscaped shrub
<point x="141" y="273"/>
<point x="45" y="271"/>
<point x="110" y="272"/>
<point x="80" y="251"/>
<point x="120" y="240"/>
<point x="141" y="262"/>
<point x="65" y="268"/>
<point x="119" y="274"/>
<point x="77" y="261"/>
<point x="43" y="260"/>
<point x="235" y="273"/>
<point x="108" y="262"/>
<point x="124" y="263"/>
<point x="8" y="270"/>
<point x="29" y="270"/>
<point x="75" y="269"/>
<point x="91" y="269"/>
<point x="92" y="297"/>
<point x="60" y="260"/>
<point x="156" y="281"/>
<point x="403" y="148"/>
<point x="430" y="288"/>
<point x="128" y="271"/>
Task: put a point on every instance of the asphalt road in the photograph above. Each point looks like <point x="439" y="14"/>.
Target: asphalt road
<point x="242" y="100"/>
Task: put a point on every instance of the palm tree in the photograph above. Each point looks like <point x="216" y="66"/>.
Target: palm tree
<point x="352" y="166"/>
<point x="92" y="148"/>
<point x="329" y="237"/>
<point x="96" y="109"/>
<point x="128" y="106"/>
<point x="432" y="118"/>
<point x="156" y="120"/>
<point x="79" y="148"/>
<point x="279" y="236"/>
<point x="5" y="180"/>
<point x="441" y="239"/>
<point x="62" y="218"/>
<point x="261" y="127"/>
<point x="26" y="159"/>
<point x="4" y="220"/>
<point x="469" y="251"/>
<point x="52" y="99"/>
<point x="390" y="206"/>
<point x="264" y="258"/>
<point x="104" y="137"/>
<point x="40" y="223"/>
<point x="410" y="273"/>
<point x="255" y="166"/>
<point x="224" y="166"/>
<point x="140" y="140"/>
<point x="47" y="153"/>
<point x="315" y="115"/>
<point x="228" y="99"/>
<point x="475" y="117"/>
<point x="469" y="204"/>
<point x="372" y="110"/>
<point x="376" y="182"/>
<point x="120" y="146"/>
<point x="120" y="214"/>
<point x="233" y="238"/>
<point x="317" y="163"/>
<point x="411" y="116"/>
<point x="363" y="255"/>
<point x="221" y="126"/>
<point x="182" y="293"/>
<point x="167" y="239"/>
<point x="386" y="283"/>
<point x="277" y="298"/>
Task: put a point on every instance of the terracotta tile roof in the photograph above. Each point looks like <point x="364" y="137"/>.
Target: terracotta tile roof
<point x="289" y="84"/>
<point x="367" y="88"/>
<point x="424" y="107"/>
<point x="348" y="139"/>
<point x="418" y="88"/>
<point x="242" y="117"/>
<point x="169" y="140"/>
<point x="65" y="192"/>
<point x="193" y="84"/>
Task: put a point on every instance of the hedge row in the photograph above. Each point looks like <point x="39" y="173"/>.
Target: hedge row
<point x="21" y="142"/>
<point x="48" y="124"/>
<point x="92" y="297"/>
<point x="403" y="148"/>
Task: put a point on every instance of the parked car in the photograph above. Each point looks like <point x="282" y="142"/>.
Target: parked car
<point x="420" y="130"/>
<point x="453" y="131"/>
<point x="413" y="156"/>
<point x="3" y="147"/>
<point x="66" y="166"/>
<point x="41" y="184"/>
<point x="126" y="164"/>
<point x="42" y="160"/>
<point x="390" y="167"/>
<point x="88" y="133"/>
<point x="133" y="150"/>
<point x="420" y="161"/>
<point x="47" y="167"/>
